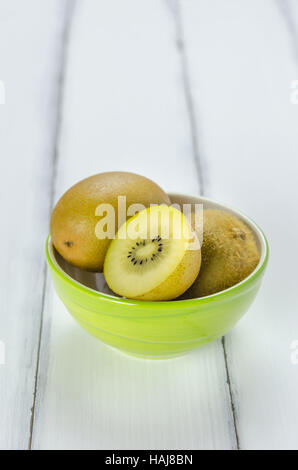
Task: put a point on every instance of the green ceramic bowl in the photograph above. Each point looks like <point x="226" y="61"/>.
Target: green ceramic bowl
<point x="156" y="330"/>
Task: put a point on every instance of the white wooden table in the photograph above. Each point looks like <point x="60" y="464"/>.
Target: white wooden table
<point x="195" y="94"/>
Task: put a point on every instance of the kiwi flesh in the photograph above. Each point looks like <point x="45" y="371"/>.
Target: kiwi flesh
<point x="229" y="253"/>
<point x="73" y="221"/>
<point x="152" y="266"/>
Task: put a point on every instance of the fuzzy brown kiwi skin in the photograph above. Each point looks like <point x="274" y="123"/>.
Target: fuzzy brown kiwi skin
<point x="73" y="219"/>
<point x="229" y="254"/>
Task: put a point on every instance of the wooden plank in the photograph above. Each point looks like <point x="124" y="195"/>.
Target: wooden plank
<point x="241" y="64"/>
<point x="125" y="109"/>
<point x="30" y="47"/>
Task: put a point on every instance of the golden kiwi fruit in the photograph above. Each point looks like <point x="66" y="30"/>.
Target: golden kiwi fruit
<point x="156" y="263"/>
<point x="229" y="253"/>
<point x="74" y="218"/>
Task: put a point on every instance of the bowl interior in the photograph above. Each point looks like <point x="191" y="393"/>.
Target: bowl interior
<point x="96" y="281"/>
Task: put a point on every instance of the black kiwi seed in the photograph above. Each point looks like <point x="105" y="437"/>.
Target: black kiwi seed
<point x="154" y="256"/>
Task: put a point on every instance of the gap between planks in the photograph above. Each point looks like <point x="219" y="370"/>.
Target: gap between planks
<point x="68" y="17"/>
<point x="286" y="13"/>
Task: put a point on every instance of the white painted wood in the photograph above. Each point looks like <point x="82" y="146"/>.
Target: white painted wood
<point x="30" y="43"/>
<point x="241" y="66"/>
<point x="124" y="108"/>
<point x="289" y="12"/>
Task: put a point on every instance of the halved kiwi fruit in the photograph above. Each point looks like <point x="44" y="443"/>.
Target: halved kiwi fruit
<point x="229" y="253"/>
<point x="150" y="257"/>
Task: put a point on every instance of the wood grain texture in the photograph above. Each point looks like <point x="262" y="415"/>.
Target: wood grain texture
<point x="242" y="61"/>
<point x="124" y="108"/>
<point x="196" y="95"/>
<point x="30" y="44"/>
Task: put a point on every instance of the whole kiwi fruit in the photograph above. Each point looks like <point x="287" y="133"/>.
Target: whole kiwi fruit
<point x="229" y="253"/>
<point x="74" y="220"/>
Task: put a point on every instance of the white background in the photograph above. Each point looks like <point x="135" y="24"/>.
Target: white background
<point x="195" y="94"/>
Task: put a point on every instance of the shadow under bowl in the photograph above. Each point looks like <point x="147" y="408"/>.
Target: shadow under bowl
<point x="155" y="330"/>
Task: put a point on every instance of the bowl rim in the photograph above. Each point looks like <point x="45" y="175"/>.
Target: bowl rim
<point x="235" y="290"/>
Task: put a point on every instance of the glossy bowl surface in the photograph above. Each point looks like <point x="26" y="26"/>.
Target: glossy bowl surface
<point x="155" y="330"/>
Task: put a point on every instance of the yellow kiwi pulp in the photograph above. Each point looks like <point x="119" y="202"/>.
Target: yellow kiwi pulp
<point x="150" y="258"/>
<point x="74" y="219"/>
<point x="229" y="253"/>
